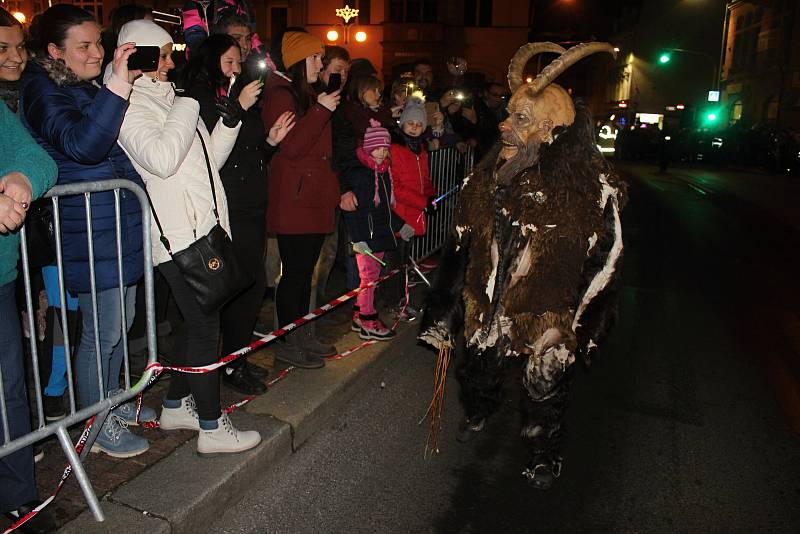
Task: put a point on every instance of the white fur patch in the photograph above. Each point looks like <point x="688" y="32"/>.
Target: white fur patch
<point x="603" y="278"/>
<point x="522" y="265"/>
<point x="492" y="277"/>
<point x="592" y="243"/>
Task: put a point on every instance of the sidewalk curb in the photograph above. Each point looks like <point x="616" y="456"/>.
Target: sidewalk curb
<point x="185" y="493"/>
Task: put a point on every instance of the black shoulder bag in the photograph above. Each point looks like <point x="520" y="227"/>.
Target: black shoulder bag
<point x="210" y="265"/>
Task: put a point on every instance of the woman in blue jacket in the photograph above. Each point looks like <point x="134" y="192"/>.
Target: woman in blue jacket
<point x="77" y="123"/>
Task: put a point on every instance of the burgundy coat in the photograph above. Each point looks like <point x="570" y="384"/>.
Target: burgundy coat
<point x="303" y="189"/>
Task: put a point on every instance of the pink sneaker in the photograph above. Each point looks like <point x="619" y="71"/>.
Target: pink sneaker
<point x="356" y="325"/>
<point x="375" y="329"/>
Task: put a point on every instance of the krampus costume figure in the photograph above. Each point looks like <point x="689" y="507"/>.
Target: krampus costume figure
<point x="533" y="259"/>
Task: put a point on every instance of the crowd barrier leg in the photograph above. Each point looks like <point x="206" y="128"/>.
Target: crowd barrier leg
<point x="96" y="413"/>
<point x="80" y="472"/>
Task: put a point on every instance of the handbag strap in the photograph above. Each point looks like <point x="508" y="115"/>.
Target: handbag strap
<point x="210" y="175"/>
<point x="162" y="237"/>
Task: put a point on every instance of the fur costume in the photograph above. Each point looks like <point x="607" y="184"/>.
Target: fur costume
<point x="530" y="273"/>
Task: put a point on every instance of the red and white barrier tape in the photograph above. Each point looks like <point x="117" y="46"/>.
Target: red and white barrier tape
<point x="158" y="368"/>
<point x="64" y="476"/>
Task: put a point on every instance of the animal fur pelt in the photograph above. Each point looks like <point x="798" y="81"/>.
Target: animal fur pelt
<point x="523" y="263"/>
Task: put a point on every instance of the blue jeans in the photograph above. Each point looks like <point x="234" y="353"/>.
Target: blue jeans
<point x="111" y="349"/>
<point x="17" y="486"/>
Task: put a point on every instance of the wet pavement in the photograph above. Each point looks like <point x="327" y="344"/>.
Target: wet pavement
<point x="682" y="424"/>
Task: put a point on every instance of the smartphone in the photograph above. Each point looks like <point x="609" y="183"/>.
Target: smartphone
<point x="144" y="59"/>
<point x="334" y="82"/>
<point x="430" y="109"/>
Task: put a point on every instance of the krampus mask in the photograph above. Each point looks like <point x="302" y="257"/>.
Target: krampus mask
<point x="536" y="108"/>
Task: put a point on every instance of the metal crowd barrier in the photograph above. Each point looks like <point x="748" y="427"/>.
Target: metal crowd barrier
<point x="102" y="408"/>
<point x="448" y="168"/>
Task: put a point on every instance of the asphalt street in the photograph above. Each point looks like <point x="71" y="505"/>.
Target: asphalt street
<point x="682" y="424"/>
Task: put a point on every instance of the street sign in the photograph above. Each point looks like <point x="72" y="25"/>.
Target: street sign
<point x="713" y="96"/>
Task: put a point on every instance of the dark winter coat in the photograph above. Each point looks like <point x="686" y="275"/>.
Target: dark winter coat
<point x="412" y="184"/>
<point x="244" y="174"/>
<point x="359" y="116"/>
<point x="303" y="189"/>
<point x="78" y="124"/>
<point x="374" y="224"/>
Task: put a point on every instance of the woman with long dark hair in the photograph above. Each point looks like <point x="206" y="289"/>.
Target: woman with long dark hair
<point x="212" y="76"/>
<point x="303" y="189"/>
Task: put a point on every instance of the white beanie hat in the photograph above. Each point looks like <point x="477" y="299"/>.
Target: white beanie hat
<point x="143" y="33"/>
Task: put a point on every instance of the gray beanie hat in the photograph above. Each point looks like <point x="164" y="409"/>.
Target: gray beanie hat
<point x="414" y="110"/>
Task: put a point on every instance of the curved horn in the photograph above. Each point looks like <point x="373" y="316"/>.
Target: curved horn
<point x="567" y="59"/>
<point x="521" y="58"/>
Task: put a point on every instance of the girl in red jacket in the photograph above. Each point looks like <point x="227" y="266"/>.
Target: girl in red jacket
<point x="414" y="191"/>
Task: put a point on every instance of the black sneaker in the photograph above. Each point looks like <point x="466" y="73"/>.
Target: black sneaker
<point x="258" y="372"/>
<point x="242" y="381"/>
<point x="293" y="355"/>
<point x="53" y="408"/>
<point x="41" y="523"/>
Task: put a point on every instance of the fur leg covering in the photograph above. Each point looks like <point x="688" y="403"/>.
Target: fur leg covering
<point x="543" y="433"/>
<point x="481" y="375"/>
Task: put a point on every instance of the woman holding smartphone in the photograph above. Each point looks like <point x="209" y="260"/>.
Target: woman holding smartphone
<point x="77" y="123"/>
<point x="169" y="144"/>
<point x="213" y="76"/>
<point x="303" y="189"/>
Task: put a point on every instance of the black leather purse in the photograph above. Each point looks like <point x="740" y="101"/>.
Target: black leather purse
<point x="210" y="264"/>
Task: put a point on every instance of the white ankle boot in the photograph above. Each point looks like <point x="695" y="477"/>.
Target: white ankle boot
<point x="183" y="417"/>
<point x="226" y="439"/>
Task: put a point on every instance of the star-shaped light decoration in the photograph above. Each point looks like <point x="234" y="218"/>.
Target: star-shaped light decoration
<point x="347" y="13"/>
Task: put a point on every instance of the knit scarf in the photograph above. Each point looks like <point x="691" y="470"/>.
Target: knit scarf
<point x="9" y="93"/>
<point x="413" y="143"/>
<point x="385" y="166"/>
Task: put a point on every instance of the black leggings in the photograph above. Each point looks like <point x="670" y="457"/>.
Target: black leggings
<point x="196" y="345"/>
<point x="299" y="253"/>
<point x="239" y="315"/>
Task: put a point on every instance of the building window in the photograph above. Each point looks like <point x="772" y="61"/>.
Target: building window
<point x="364" y="11"/>
<point x="736" y="112"/>
<point x="478" y="12"/>
<point x="771" y="110"/>
<point x="413" y="11"/>
<point x="95" y="7"/>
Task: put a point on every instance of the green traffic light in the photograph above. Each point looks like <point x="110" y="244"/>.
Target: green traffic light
<point x="711" y="117"/>
<point x="664" y="58"/>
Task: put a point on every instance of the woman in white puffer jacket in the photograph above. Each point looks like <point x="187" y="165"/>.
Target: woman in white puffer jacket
<point x="160" y="134"/>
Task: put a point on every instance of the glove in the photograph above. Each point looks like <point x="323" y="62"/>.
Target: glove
<point x="430" y="206"/>
<point x="361" y="248"/>
<point x="406" y="232"/>
<point x="230" y="110"/>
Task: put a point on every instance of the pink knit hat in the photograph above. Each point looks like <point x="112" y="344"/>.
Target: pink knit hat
<point x="376" y="136"/>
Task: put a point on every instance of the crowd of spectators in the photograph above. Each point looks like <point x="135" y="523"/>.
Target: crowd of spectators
<point x="273" y="142"/>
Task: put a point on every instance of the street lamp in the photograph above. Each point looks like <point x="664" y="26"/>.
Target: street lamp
<point x="667" y="56"/>
<point x="347" y="14"/>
